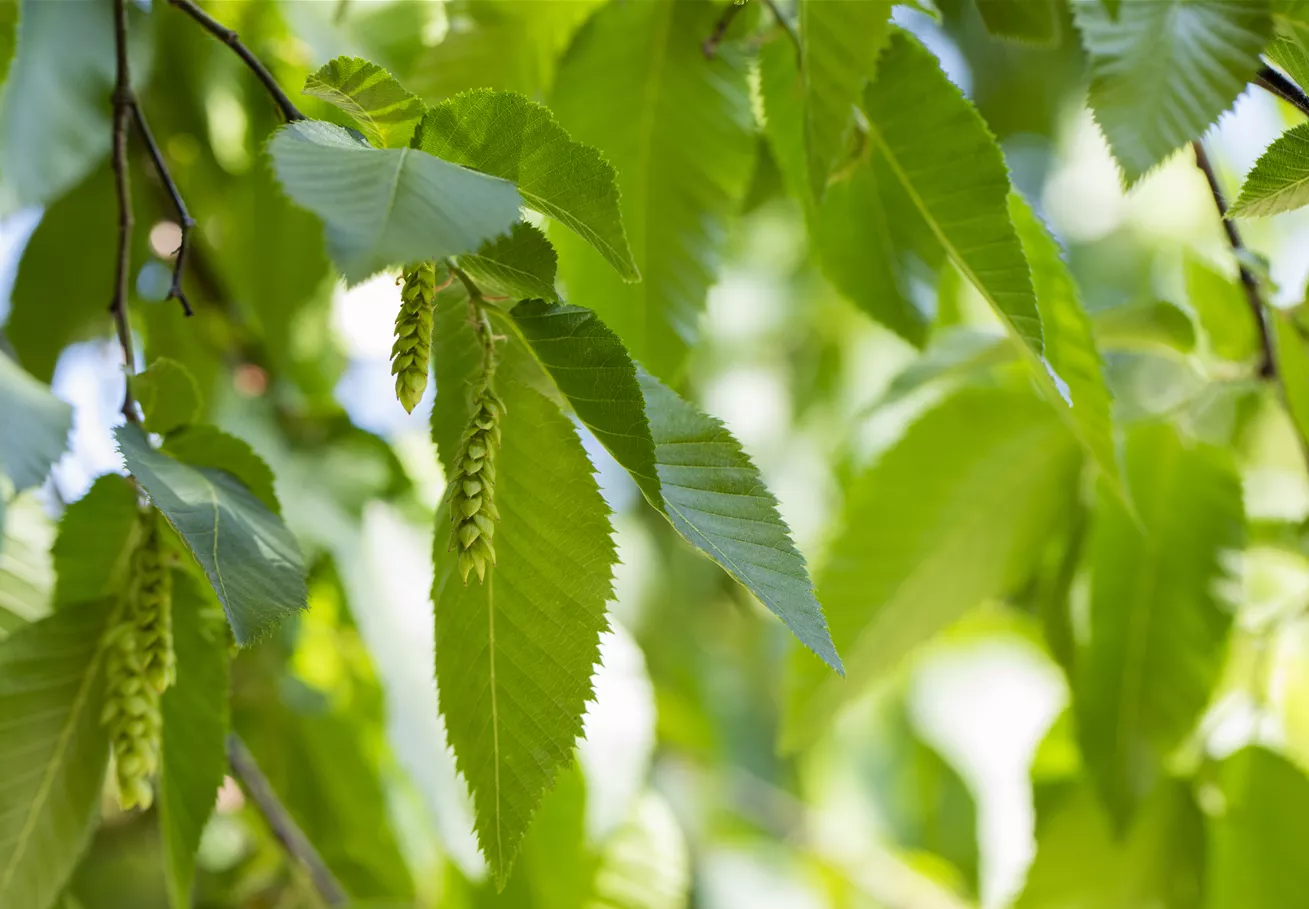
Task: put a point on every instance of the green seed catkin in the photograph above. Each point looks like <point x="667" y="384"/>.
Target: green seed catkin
<point x="472" y="499"/>
<point x="140" y="665"/>
<point x="413" y="334"/>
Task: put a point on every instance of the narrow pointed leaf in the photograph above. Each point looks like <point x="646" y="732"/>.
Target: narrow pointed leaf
<point x="679" y="130"/>
<point x="1280" y="179"/>
<point x="53" y="752"/>
<point x="518" y="266"/>
<point x="384" y="110"/>
<point x="925" y="126"/>
<point x="387" y="206"/>
<point x="246" y="551"/>
<point x="34" y="427"/>
<point x="506" y="135"/>
<point x="1162" y="72"/>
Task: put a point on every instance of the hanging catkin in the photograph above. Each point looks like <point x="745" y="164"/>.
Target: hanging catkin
<point x="413" y="334"/>
<point x="140" y="665"/>
<point x="472" y="499"/>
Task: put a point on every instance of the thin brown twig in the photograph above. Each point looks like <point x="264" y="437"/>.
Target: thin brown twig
<point x="123" y="103"/>
<point x="184" y="219"/>
<point x="230" y="38"/>
<point x="1268" y="361"/>
<point x="710" y="45"/>
<point x="284" y="827"/>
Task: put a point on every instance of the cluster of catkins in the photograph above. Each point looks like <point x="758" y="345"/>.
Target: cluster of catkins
<point x="472" y="498"/>
<point x="413" y="334"/>
<point x="140" y="665"/>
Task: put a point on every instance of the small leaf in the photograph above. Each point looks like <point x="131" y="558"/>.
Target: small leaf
<point x="1223" y="309"/>
<point x="504" y="134"/>
<point x="53" y="752"/>
<point x="387" y="206"/>
<point x="1162" y="72"/>
<point x="519" y="266"/>
<point x="195" y="712"/>
<point x="168" y="395"/>
<point x="1158" y="623"/>
<point x="1034" y="22"/>
<point x="387" y="113"/>
<point x="912" y="109"/>
<point x="34" y="429"/>
<point x="250" y="557"/>
<point x="1280" y="179"/>
<point x="97" y="534"/>
<point x="209" y="446"/>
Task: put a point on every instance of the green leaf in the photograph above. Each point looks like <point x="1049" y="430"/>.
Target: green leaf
<point x="839" y="45"/>
<point x="27" y="576"/>
<point x="1162" y="72"/>
<point x="1081" y="862"/>
<point x="717" y="500"/>
<point x="1291" y="350"/>
<point x="246" y="551"/>
<point x="195" y="712"/>
<point x="925" y="126"/>
<point x="387" y="206"/>
<point x="1221" y="305"/>
<point x="504" y="134"/>
<point x="515" y="654"/>
<point x="387" y="113"/>
<point x="1070" y="346"/>
<point x="951" y="515"/>
<point x="168" y="395"/>
<point x="35" y="427"/>
<point x="53" y="752"/>
<point x="209" y="446"/>
<point x="1257" y="843"/>
<point x="1034" y="22"/>
<point x="97" y="534"/>
<point x="519" y="266"/>
<point x="1144" y="326"/>
<point x="1280" y="179"/>
<point x="645" y="864"/>
<point x="1158" y="623"/>
<point x="679" y="130"/>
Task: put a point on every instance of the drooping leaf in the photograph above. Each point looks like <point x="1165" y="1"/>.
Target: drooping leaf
<point x="683" y="164"/>
<point x="924" y="127"/>
<point x="508" y="136"/>
<point x="384" y="110"/>
<point x="1081" y="862"/>
<point x="839" y="45"/>
<point x="193" y="759"/>
<point x="33" y="429"/>
<point x="1222" y="308"/>
<point x="1280" y="179"/>
<point x="1256" y="844"/>
<point x="949" y="516"/>
<point x="97" y="534"/>
<point x="520" y="266"/>
<point x="1034" y="22"/>
<point x="53" y="752"/>
<point x="246" y="551"/>
<point x="168" y="395"/>
<point x="387" y="206"/>
<point x="515" y="654"/>
<point x="1158" y="624"/>
<point x="1070" y="346"/>
<point x="1162" y="72"/>
<point x="209" y="446"/>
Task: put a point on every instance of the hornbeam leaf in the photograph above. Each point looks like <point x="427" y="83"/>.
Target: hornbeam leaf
<point x="53" y="751"/>
<point x="387" y="206"/>
<point x="1292" y="353"/>
<point x="1034" y="22"/>
<point x="168" y="394"/>
<point x="195" y="714"/>
<point x="34" y="429"/>
<point x="951" y="515"/>
<point x="246" y="551"/>
<point x="504" y="134"/>
<point x="924" y="126"/>
<point x="97" y="534"/>
<point x="839" y="44"/>
<point x="515" y="654"/>
<point x="209" y="446"/>
<point x="1162" y="72"/>
<point x="387" y="112"/>
<point x="27" y="576"/>
<point x="1280" y="179"/>
<point x="679" y="130"/>
<point x="1158" y="625"/>
<point x="520" y="266"/>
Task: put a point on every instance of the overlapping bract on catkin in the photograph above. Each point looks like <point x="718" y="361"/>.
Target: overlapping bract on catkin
<point x="413" y="334"/>
<point x="140" y="665"/>
<point x="472" y="500"/>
